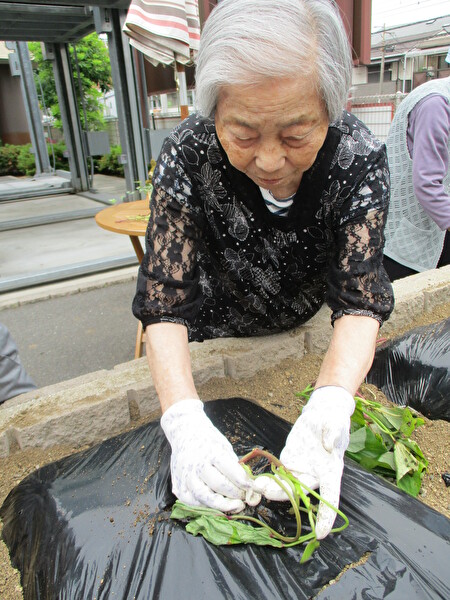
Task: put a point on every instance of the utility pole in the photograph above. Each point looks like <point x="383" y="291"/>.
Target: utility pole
<point x="383" y="51"/>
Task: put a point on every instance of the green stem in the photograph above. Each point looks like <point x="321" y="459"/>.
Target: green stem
<point x="336" y="510"/>
<point x="258" y="453"/>
<point x="285" y="484"/>
<point x="391" y="433"/>
<point x="281" y="482"/>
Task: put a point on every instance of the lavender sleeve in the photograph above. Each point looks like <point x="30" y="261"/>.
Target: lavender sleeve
<point x="428" y="135"/>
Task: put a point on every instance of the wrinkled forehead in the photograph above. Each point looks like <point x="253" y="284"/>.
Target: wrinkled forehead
<point x="283" y="101"/>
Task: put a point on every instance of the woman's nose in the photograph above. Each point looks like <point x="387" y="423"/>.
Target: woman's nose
<point x="269" y="157"/>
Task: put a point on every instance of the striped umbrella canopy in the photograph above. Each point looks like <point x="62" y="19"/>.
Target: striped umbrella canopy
<point x="166" y="32"/>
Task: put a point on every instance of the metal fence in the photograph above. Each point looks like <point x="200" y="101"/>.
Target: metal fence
<point x="376" y="112"/>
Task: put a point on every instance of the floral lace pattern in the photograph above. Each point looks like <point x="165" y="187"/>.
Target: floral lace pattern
<point x="218" y="261"/>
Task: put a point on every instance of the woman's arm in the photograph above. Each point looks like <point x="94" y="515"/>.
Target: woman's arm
<point x="315" y="447"/>
<point x="350" y="353"/>
<point x="170" y="362"/>
<point x="204" y="467"/>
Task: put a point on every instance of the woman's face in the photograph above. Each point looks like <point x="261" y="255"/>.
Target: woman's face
<point x="272" y="131"/>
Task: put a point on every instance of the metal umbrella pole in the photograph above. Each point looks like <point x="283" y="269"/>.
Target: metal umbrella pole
<point x="166" y="32"/>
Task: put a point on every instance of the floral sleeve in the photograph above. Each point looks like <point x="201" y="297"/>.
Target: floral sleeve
<point x="167" y="287"/>
<point x="358" y="283"/>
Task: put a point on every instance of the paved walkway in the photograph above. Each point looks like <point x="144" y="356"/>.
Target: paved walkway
<point x="22" y="187"/>
<point x="67" y="313"/>
<point x="87" y="328"/>
<point x="33" y="252"/>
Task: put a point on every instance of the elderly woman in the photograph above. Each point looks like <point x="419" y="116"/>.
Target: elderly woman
<point x="268" y="202"/>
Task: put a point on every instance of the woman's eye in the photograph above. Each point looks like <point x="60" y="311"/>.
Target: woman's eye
<point x="293" y="141"/>
<point x="244" y="140"/>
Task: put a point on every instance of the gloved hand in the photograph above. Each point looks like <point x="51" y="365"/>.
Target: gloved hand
<point x="205" y="470"/>
<point x="314" y="451"/>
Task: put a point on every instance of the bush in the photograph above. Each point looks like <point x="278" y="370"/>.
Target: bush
<point x="109" y="163"/>
<point x="26" y="163"/>
<point x="19" y="160"/>
<point x="9" y="155"/>
<point x="61" y="161"/>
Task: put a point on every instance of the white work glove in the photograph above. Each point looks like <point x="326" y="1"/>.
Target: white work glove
<point x="314" y="451"/>
<point x="205" y="470"/>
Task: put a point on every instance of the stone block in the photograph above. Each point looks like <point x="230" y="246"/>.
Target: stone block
<point x="436" y="297"/>
<point x="206" y="367"/>
<point x="4" y="445"/>
<point x="84" y="424"/>
<point x="136" y="369"/>
<point x="263" y="352"/>
<point x="417" y="294"/>
<point x="142" y="399"/>
<point x="318" y="332"/>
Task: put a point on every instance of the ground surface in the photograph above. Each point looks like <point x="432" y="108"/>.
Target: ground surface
<point x="275" y="390"/>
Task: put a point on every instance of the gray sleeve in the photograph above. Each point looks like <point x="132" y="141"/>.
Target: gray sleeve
<point x="14" y="380"/>
<point x="429" y="128"/>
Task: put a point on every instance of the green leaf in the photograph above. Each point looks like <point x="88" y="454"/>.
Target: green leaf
<point x="184" y="511"/>
<point x="387" y="460"/>
<point x="374" y="446"/>
<point x="358" y="414"/>
<point x="404" y="461"/>
<point x="415" y="449"/>
<point x="308" y="552"/>
<point x="221" y="530"/>
<point x="374" y="464"/>
<point x="411" y="483"/>
<point x="410" y="423"/>
<point x="357" y="440"/>
<point x="393" y="418"/>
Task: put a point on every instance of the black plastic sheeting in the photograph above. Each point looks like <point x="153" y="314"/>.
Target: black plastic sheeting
<point x="414" y="370"/>
<point x="95" y="525"/>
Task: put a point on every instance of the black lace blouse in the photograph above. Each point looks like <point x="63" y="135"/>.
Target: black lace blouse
<point x="218" y="261"/>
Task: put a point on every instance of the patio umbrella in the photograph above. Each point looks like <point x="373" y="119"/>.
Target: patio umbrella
<point x="166" y="32"/>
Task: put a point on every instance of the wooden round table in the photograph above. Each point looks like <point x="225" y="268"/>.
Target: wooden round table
<point x="128" y="218"/>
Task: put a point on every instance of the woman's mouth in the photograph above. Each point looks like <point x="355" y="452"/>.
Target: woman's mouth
<point x="269" y="181"/>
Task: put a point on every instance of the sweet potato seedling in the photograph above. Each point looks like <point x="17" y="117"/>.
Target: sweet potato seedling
<point x="380" y="440"/>
<point x="224" y="529"/>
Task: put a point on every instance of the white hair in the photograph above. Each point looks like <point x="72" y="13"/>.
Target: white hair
<point x="249" y="41"/>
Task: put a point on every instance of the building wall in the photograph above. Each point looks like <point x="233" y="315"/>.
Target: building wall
<point x="13" y="121"/>
<point x="359" y="75"/>
<point x="373" y="89"/>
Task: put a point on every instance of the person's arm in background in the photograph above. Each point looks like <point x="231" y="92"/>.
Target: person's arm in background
<point x="428" y="134"/>
<point x="14" y="380"/>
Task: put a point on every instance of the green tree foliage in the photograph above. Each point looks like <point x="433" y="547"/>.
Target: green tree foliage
<point x="95" y="79"/>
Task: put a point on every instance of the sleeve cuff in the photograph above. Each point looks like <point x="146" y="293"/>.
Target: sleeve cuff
<point x="337" y="314"/>
<point x="163" y="319"/>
